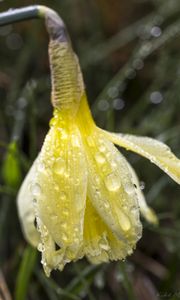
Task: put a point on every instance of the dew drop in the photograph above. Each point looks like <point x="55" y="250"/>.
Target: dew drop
<point x="59" y="166"/>
<point x="156" y="97"/>
<point x="103" y="105"/>
<point x="129" y="252"/>
<point x="100" y="159"/>
<point x="104" y="246"/>
<point x="90" y="141"/>
<point x="64" y="237"/>
<point x="64" y="225"/>
<point x="97" y="194"/>
<point x="106" y="205"/>
<point x="76" y="229"/>
<point x="76" y="181"/>
<point x="41" y="247"/>
<point x="75" y="141"/>
<point x="35" y="189"/>
<point x="41" y="167"/>
<point x="102" y="148"/>
<point x="52" y="122"/>
<point x="97" y="179"/>
<point x="156" y="31"/>
<point x="145" y="49"/>
<point x="113" y="92"/>
<point x="142" y="185"/>
<point x="130" y="73"/>
<point x="124" y="221"/>
<point x="114" y="164"/>
<point x="34" y="200"/>
<point x="118" y="104"/>
<point x="65" y="213"/>
<point x="64" y="134"/>
<point x="129" y="188"/>
<point x="112" y="182"/>
<point x="138" y="64"/>
<point x="62" y="196"/>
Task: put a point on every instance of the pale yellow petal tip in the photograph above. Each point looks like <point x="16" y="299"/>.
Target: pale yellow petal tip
<point x="149" y="214"/>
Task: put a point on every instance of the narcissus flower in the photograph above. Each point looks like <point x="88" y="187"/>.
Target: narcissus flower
<point x="82" y="192"/>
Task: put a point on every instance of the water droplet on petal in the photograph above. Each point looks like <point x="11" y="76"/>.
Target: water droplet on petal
<point x="112" y="182"/>
<point x="65" y="213"/>
<point x="75" y="141"/>
<point x="76" y="181"/>
<point x="129" y="252"/>
<point x="106" y="205"/>
<point x="104" y="246"/>
<point x="76" y="229"/>
<point x="41" y="247"/>
<point x="102" y="148"/>
<point x="59" y="166"/>
<point x="64" y="237"/>
<point x="52" y="122"/>
<point x="114" y="164"/>
<point x="64" y="225"/>
<point x="64" y="134"/>
<point x="35" y="189"/>
<point x="100" y="159"/>
<point x="41" y="167"/>
<point x="124" y="221"/>
<point x="62" y="196"/>
<point x="90" y="141"/>
<point x="129" y="188"/>
<point x="34" y="200"/>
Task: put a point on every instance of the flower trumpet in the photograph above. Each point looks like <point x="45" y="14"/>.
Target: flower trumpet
<point x="81" y="191"/>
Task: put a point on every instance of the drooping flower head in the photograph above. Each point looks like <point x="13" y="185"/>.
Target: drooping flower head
<point x="81" y="197"/>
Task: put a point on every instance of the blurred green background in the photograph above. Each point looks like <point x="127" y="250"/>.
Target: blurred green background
<point x="130" y="55"/>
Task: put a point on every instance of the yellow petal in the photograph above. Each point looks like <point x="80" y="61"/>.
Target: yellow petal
<point x="110" y="189"/>
<point x="145" y="210"/>
<point x="100" y="244"/>
<point x="26" y="209"/>
<point x="157" y="152"/>
<point x="60" y="191"/>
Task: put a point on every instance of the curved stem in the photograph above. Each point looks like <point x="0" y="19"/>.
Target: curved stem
<point x="54" y="24"/>
<point x="66" y="78"/>
<point x="19" y="14"/>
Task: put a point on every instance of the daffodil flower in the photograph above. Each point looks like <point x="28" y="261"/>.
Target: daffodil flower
<point x="81" y="197"/>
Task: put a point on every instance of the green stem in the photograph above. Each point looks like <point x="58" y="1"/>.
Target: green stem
<point x="54" y="24"/>
<point x="62" y="58"/>
<point x="19" y="14"/>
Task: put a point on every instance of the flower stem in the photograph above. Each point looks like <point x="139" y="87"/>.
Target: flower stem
<point x="66" y="77"/>
<point x="54" y="24"/>
<point x="19" y="14"/>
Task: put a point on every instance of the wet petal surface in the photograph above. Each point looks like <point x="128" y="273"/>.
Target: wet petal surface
<point x="100" y="244"/>
<point x="26" y="209"/>
<point x="61" y="181"/>
<point x="145" y="210"/>
<point x="157" y="152"/>
<point x="111" y="190"/>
